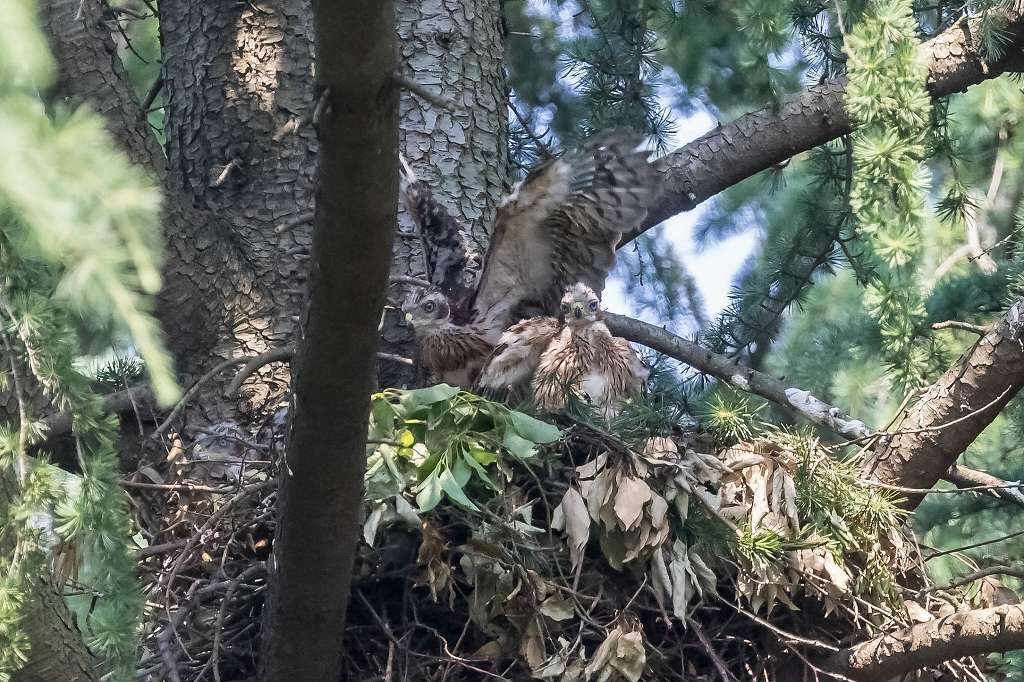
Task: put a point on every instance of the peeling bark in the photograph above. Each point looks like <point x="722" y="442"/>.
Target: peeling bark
<point x="972" y="633"/>
<point x="954" y="410"/>
<point x="759" y="140"/>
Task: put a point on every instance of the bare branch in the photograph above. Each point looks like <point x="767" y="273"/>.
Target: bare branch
<point x="972" y="633"/>
<point x="977" y="575"/>
<point x="971" y="479"/>
<point x="965" y="326"/>
<point x="954" y="409"/>
<point x="403" y="81"/>
<point x="762" y="139"/>
<point x="735" y="374"/>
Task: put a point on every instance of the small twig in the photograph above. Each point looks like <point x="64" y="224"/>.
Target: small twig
<point x="233" y="165"/>
<point x="933" y="491"/>
<point x="412" y="281"/>
<point x="182" y="487"/>
<point x="294" y="124"/>
<point x="219" y="627"/>
<point x="965" y="326"/>
<point x="716" y="659"/>
<point x="210" y="523"/>
<point x="191" y="392"/>
<point x="154" y="90"/>
<point x="295" y="221"/>
<point x="544" y="149"/>
<point x="787" y="636"/>
<point x="274" y="355"/>
<point x="946" y="425"/>
<point x="982" y="573"/>
<point x="396" y="358"/>
<point x="421" y="91"/>
<point x="154" y="550"/>
<point x="944" y="552"/>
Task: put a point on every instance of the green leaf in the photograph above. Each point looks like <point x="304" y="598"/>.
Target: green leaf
<point x="429" y="493"/>
<point x="454" y="490"/>
<point x="474" y="464"/>
<point x="481" y="455"/>
<point x="534" y="429"/>
<point x="519" y="446"/>
<point x="383" y="416"/>
<point x="428" y="396"/>
<point x="461" y="472"/>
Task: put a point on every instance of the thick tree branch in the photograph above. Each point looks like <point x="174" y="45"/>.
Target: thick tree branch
<point x="90" y="70"/>
<point x="972" y="633"/>
<point x="965" y="478"/>
<point x="761" y="139"/>
<point x="321" y="480"/>
<point x="955" y="409"/>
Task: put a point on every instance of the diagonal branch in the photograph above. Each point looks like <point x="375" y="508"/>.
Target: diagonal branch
<point x="794" y="399"/>
<point x="971" y="633"/>
<point x="954" y="409"/>
<point x="759" y="140"/>
<point x="742" y="377"/>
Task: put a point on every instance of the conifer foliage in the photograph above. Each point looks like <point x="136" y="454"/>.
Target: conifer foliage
<point x="886" y="96"/>
<point x="78" y="255"/>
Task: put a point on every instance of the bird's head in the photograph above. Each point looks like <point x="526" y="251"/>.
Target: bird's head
<point x="580" y="305"/>
<point x="429" y="309"/>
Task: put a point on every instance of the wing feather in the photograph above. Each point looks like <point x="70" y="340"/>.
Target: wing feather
<point x="560" y="226"/>
<point x="509" y="369"/>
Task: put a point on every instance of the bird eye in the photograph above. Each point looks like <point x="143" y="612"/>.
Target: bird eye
<point x="593" y="306"/>
<point x="429" y="306"/>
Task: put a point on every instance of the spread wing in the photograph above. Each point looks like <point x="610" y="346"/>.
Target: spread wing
<point x="444" y="248"/>
<point x="560" y="226"/>
<point x="511" y="366"/>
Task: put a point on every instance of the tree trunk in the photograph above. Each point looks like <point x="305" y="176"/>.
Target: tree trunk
<point x="240" y="148"/>
<point x="319" y="503"/>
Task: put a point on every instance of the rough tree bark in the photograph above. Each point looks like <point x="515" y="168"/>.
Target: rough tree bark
<point x="971" y="633"/>
<point x="240" y="148"/>
<point x="954" y="410"/>
<point x="356" y="214"/>
<point x="456" y="49"/>
<point x="759" y="140"/>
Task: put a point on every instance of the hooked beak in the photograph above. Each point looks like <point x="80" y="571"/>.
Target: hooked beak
<point x="577" y="311"/>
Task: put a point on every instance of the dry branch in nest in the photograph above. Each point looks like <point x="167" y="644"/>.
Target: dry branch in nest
<point x="496" y="546"/>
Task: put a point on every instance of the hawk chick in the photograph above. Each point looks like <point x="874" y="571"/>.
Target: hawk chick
<point x="452" y="353"/>
<point x="509" y="370"/>
<point x="584" y="357"/>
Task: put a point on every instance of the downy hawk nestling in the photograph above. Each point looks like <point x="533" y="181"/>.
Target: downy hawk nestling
<point x="559" y="226"/>
<point x="584" y="358"/>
